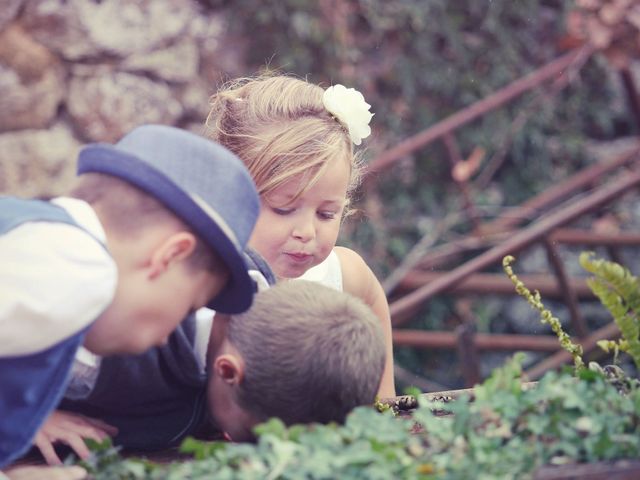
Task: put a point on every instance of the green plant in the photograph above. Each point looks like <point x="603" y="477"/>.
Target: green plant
<point x="106" y="463"/>
<point x="545" y="315"/>
<point x="506" y="432"/>
<point x="619" y="291"/>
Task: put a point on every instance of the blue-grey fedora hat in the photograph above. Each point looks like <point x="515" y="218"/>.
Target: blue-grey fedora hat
<point x="203" y="183"/>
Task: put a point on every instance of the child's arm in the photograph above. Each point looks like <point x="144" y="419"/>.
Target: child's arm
<point x="70" y="429"/>
<point x="35" y="472"/>
<point x="359" y="280"/>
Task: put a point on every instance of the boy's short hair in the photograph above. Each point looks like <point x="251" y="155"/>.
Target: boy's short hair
<point x="127" y="209"/>
<point x="311" y="353"/>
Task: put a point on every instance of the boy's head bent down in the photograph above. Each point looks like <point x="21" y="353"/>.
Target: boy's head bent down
<point x="177" y="211"/>
<point x="303" y="353"/>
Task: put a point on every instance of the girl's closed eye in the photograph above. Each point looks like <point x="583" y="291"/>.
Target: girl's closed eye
<point x="327" y="215"/>
<point x="281" y="211"/>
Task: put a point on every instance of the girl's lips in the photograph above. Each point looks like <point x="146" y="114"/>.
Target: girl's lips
<point x="299" y="257"/>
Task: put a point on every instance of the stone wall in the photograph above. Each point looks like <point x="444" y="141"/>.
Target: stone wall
<point x="79" y="71"/>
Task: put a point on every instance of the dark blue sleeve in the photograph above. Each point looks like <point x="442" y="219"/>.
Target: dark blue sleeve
<point x="255" y="262"/>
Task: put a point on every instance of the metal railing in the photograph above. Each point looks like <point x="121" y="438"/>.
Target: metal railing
<point x="542" y="220"/>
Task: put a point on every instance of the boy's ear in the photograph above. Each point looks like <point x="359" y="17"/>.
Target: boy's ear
<point x="229" y="368"/>
<point x="175" y="248"/>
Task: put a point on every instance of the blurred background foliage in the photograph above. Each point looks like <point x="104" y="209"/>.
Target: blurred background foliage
<point x="417" y="62"/>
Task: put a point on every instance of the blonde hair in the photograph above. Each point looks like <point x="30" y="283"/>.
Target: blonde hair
<point x="311" y="353"/>
<point x="127" y="210"/>
<point x="280" y="128"/>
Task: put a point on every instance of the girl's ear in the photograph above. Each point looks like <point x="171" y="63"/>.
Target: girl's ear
<point x="175" y="248"/>
<point x="229" y="368"/>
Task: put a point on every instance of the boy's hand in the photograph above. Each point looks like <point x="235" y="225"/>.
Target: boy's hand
<point x="50" y="473"/>
<point x="70" y="429"/>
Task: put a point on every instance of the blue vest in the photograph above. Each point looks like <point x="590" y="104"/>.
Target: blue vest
<point x="31" y="385"/>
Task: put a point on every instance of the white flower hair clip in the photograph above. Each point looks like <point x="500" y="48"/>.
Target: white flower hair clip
<point x="348" y="106"/>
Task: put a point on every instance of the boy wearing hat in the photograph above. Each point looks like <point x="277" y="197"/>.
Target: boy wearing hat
<point x="149" y="234"/>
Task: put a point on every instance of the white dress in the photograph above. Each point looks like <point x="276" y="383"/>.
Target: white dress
<point x="328" y="273"/>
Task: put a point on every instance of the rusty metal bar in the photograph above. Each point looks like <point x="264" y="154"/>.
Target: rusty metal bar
<point x="556" y="67"/>
<point x="614" y="254"/>
<point x="569" y="296"/>
<point x="492" y="230"/>
<point x="610" y="331"/>
<point x="574" y="236"/>
<point x="440" y="254"/>
<point x="515" y="243"/>
<point x="483" y="341"/>
<point x="468" y="353"/>
<point x="447" y="252"/>
<point x="552" y="196"/>
<point x="454" y="158"/>
<point x="467" y="350"/>
<point x="408" y="402"/>
<point x="617" y="470"/>
<point x="632" y="93"/>
<point x="406" y="377"/>
<point x="496" y="283"/>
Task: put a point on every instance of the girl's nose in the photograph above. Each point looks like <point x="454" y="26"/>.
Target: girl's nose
<point x="304" y="230"/>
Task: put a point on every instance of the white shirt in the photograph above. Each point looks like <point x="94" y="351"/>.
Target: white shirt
<point x="204" y="322"/>
<point x="55" y="279"/>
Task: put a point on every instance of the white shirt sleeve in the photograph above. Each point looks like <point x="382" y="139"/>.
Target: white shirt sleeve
<point x="83" y="376"/>
<point x="55" y="279"/>
<point x="204" y="322"/>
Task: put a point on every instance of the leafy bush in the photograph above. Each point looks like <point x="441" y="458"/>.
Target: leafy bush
<point x="506" y="432"/>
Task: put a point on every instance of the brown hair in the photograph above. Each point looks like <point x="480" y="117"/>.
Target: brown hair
<point x="280" y="128"/>
<point x="311" y="353"/>
<point x="127" y="210"/>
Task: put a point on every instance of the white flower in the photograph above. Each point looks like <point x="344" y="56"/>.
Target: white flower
<point x="350" y="109"/>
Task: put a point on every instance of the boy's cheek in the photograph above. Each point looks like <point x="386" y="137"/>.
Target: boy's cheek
<point x="216" y="284"/>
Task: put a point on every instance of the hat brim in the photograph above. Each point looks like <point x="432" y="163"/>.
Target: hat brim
<point x="237" y="295"/>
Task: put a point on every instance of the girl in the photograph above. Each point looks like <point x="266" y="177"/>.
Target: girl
<point x="297" y="140"/>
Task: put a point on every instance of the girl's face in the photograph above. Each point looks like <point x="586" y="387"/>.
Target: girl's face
<point x="294" y="236"/>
